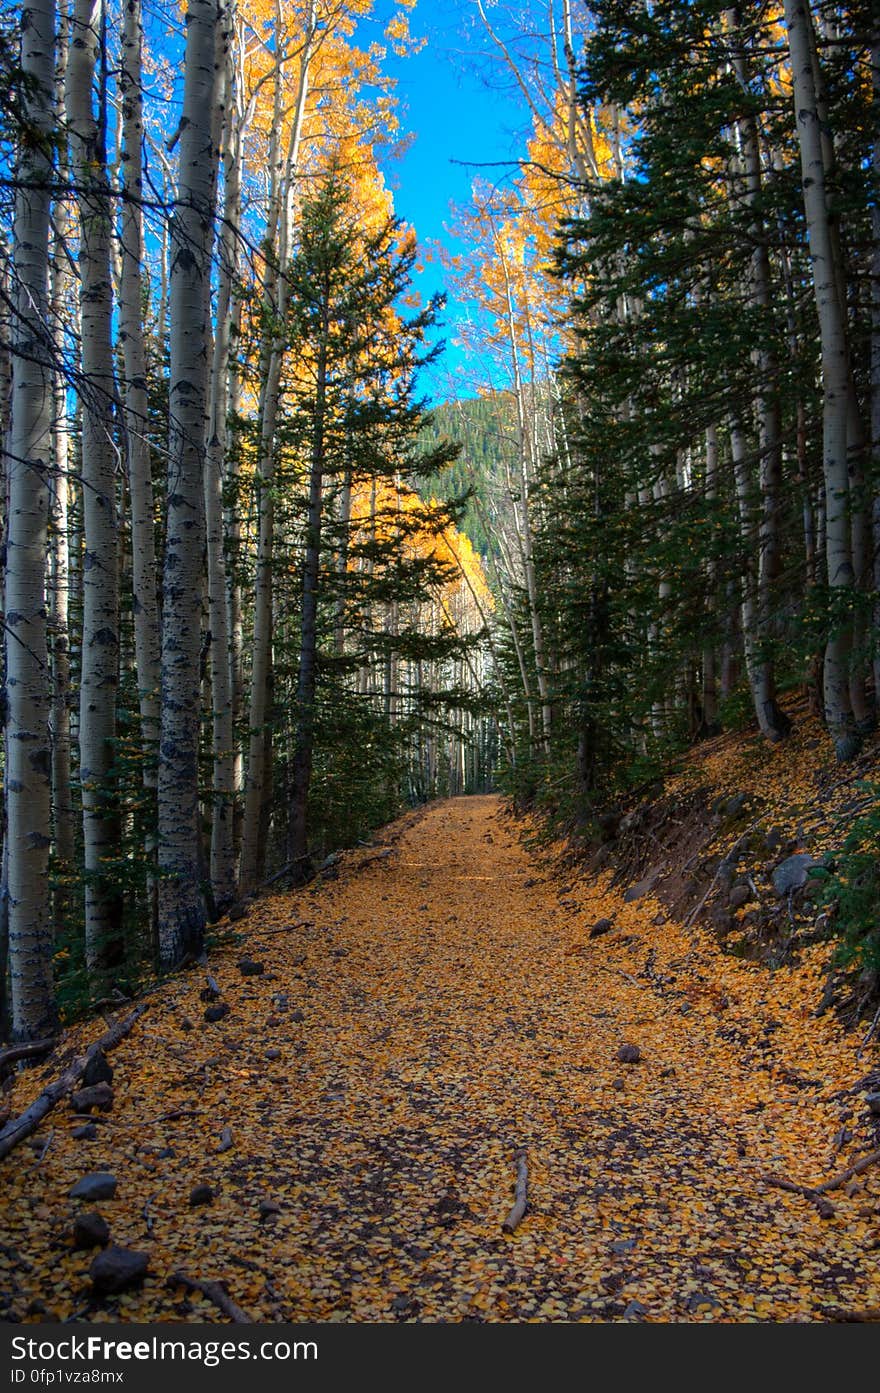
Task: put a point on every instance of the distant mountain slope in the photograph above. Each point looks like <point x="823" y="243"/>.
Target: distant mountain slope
<point x="487" y="451"/>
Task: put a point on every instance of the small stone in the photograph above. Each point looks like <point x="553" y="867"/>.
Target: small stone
<point x="740" y="895"/>
<point x="216" y="1013"/>
<point x="117" y="1269"/>
<point x="273" y="1053"/>
<point x="201" y="1194"/>
<point x="87" y="1132"/>
<point x="734" y="806"/>
<point x="641" y="888"/>
<point x="272" y="1021"/>
<point x="601" y="926"/>
<point x="701" y="1301"/>
<point x="623" y="1245"/>
<point x="617" y="1084"/>
<point x="634" y="1311"/>
<point x="629" y="1054"/>
<point x="186" y="1023"/>
<point x="248" y="968"/>
<point x="297" y="1015"/>
<point x="791" y="873"/>
<point x="99" y="1096"/>
<point x="98" y="1070"/>
<point x="90" y="1231"/>
<point x="873" y="1102"/>
<point x="98" y="1185"/>
<point x="722" y="920"/>
<point x="268" y="1209"/>
<point x="685" y="1008"/>
<point x="343" y="952"/>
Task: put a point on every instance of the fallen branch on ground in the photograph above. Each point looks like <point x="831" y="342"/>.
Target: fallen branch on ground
<point x="214" y="1291"/>
<point x="521" y="1194"/>
<point x="281" y="929"/>
<point x="20" y="1127"/>
<point x="850" y="1173"/>
<point x="824" y="1207"/>
<point x="15" y="1053"/>
<point x="619" y="972"/>
<point x="872" y="1030"/>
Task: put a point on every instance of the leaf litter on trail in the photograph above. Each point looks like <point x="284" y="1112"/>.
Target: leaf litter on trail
<point x="417" y="1022"/>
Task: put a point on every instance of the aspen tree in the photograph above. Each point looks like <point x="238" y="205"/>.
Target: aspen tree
<point x="181" y="900"/>
<point x="28" y="771"/>
<point x="136" y="409"/>
<point x="835" y="379"/>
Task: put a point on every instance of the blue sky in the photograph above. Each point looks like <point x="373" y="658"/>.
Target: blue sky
<point x="456" y="116"/>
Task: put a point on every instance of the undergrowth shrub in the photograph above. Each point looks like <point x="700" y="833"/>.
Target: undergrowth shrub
<point x="852" y="893"/>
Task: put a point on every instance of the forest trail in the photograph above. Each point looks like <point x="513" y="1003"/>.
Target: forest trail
<point x="437" y="1006"/>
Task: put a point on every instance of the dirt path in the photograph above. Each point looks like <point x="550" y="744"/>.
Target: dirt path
<point x="439" y="1008"/>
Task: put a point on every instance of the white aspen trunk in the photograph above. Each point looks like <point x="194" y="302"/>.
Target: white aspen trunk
<point x="763" y="698"/>
<point x="100" y="582"/>
<point x="774" y="724"/>
<point x="222" y="867"/>
<point x="181" y="903"/>
<point x="137" y="449"/>
<point x="524" y="510"/>
<point x="709" y="656"/>
<point x="62" y="798"/>
<point x="875" y="344"/>
<point x="27" y="781"/>
<point x="835" y="378"/>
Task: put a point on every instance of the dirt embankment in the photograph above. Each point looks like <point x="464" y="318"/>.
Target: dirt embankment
<point x="740" y="841"/>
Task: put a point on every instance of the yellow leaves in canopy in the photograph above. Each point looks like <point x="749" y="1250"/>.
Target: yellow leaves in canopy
<point x="389" y="511"/>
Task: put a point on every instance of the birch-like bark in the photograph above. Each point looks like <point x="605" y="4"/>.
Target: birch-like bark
<point x="875" y="340"/>
<point x="774" y="724"/>
<point x="181" y="900"/>
<point x="100" y="625"/>
<point x="222" y="868"/>
<point x="709" y="664"/>
<point x="835" y="382"/>
<point x="28" y="771"/>
<point x="137" y="451"/>
<point x="59" y="559"/>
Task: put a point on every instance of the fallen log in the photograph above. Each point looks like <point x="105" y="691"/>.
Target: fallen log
<point x="15" y="1053"/>
<point x="215" y="1292"/>
<point x="521" y="1194"/>
<point x="20" y="1127"/>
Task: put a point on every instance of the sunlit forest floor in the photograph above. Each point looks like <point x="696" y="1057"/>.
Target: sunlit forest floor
<point x="420" y="1018"/>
